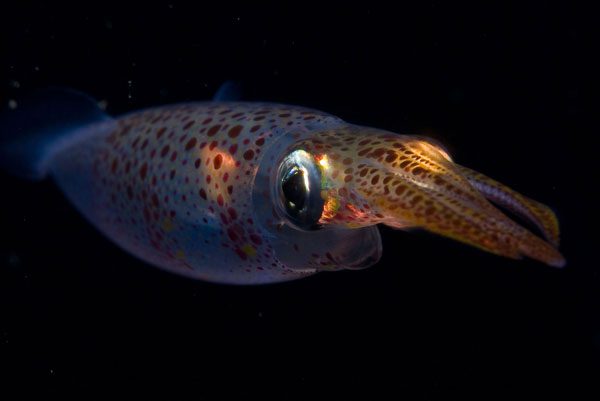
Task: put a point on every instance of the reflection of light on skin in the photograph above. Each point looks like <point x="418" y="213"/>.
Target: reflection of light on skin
<point x="331" y="206"/>
<point x="323" y="161"/>
<point x="356" y="212"/>
<point x="227" y="166"/>
<point x="431" y="148"/>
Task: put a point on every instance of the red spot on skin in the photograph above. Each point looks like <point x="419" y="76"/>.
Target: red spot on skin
<point x="224" y="218"/>
<point x="391" y="157"/>
<point x="218" y="161"/>
<point x="188" y="125"/>
<point x="235" y="131"/>
<point x="191" y="143"/>
<point x="284" y="115"/>
<point x="208" y="179"/>
<point x="260" y="141"/>
<point x="246" y="141"/>
<point x="377" y="152"/>
<point x="230" y="189"/>
<point x="220" y="200"/>
<point x="400" y="190"/>
<point x="160" y="132"/>
<point x="174" y="156"/>
<point x="144" y="171"/>
<point x="256" y="239"/>
<point x="249" y="154"/>
<point x="255" y="128"/>
<point x="164" y="151"/>
<point x="418" y="170"/>
<point x="202" y="193"/>
<point x="233" y="149"/>
<point x="155" y="200"/>
<point x="172" y="175"/>
<point x="197" y="163"/>
<point x="206" y="121"/>
<point x="212" y="145"/>
<point x="232" y="213"/>
<point x="144" y="144"/>
<point x="236" y="115"/>
<point x="225" y="177"/>
<point x="232" y="234"/>
<point x="241" y="254"/>
<point x="113" y="168"/>
<point x="213" y="130"/>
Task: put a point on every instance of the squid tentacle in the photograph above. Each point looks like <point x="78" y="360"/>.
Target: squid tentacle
<point x="535" y="212"/>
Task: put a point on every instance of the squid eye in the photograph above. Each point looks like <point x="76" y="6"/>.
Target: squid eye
<point x="299" y="190"/>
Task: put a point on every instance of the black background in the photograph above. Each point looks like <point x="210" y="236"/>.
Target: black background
<point x="501" y="86"/>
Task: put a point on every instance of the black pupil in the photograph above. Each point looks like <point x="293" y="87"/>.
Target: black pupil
<point x="294" y="189"/>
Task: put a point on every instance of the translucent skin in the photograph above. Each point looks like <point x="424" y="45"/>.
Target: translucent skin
<point x="189" y="188"/>
<point x="177" y="187"/>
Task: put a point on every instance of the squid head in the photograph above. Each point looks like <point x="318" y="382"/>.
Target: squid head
<point x="330" y="188"/>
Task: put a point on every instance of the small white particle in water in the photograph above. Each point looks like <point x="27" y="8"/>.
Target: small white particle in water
<point x="260" y="314"/>
<point x="12" y="104"/>
<point x="36" y="68"/>
<point x="102" y="104"/>
<point x="15" y="84"/>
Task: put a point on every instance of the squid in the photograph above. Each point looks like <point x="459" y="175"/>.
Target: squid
<point x="251" y="193"/>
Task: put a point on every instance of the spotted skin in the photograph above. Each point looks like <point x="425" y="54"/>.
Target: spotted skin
<point x="189" y="188"/>
<point x="539" y="214"/>
<point x="402" y="181"/>
<point x="173" y="185"/>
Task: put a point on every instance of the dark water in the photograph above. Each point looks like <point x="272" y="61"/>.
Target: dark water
<point x="501" y="87"/>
